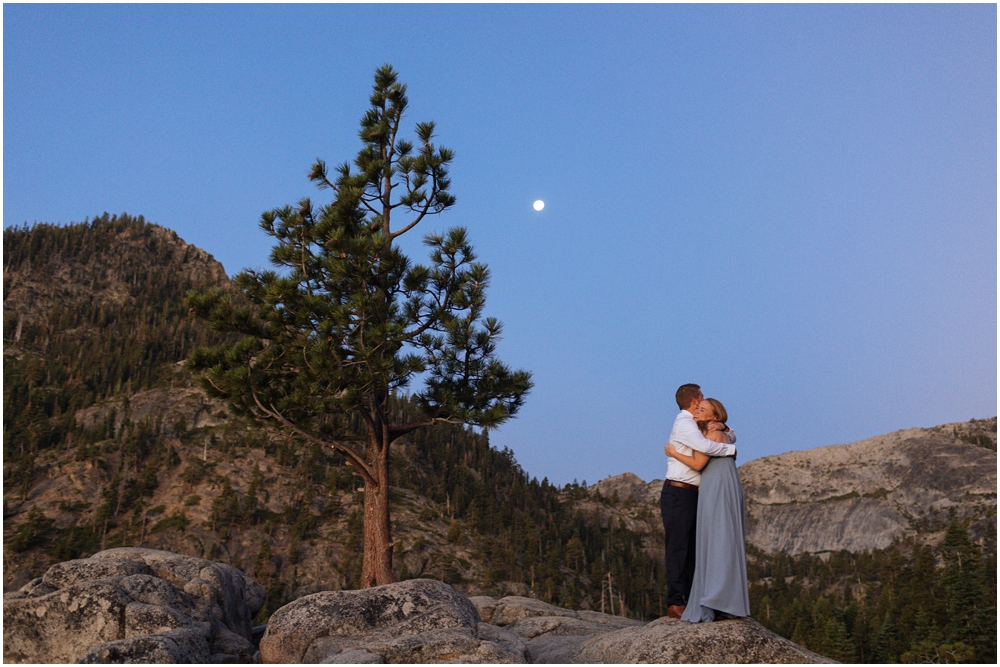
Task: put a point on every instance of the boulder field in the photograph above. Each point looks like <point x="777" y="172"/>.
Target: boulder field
<point x="143" y="606"/>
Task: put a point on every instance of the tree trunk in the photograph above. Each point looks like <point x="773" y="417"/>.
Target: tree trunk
<point x="376" y="568"/>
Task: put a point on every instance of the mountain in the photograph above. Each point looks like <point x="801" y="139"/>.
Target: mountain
<point x="90" y="311"/>
<point x="856" y="497"/>
<point x="109" y="442"/>
<point x="868" y="494"/>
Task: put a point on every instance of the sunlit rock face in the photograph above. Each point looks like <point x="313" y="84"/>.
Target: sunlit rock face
<point x="854" y="497"/>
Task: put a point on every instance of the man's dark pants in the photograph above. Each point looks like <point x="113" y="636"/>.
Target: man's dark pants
<point x="679" y="508"/>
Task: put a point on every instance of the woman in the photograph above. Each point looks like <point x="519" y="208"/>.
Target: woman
<point x="720" y="572"/>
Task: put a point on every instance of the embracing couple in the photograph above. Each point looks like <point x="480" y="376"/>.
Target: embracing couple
<point x="702" y="506"/>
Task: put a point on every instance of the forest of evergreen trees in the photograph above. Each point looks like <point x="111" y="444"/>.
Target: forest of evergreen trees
<point x="527" y="530"/>
<point x="66" y="349"/>
<point x="908" y="603"/>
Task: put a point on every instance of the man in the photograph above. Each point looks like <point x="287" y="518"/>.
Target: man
<point x="679" y="498"/>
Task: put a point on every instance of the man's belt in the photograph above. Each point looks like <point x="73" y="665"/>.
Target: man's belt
<point x="682" y="485"/>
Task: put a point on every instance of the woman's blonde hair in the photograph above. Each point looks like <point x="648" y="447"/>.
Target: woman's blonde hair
<point x="720" y="410"/>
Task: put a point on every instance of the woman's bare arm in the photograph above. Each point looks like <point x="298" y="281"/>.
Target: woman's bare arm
<point x="696" y="462"/>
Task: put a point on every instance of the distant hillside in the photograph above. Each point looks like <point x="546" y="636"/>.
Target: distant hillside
<point x="91" y="310"/>
<point x="108" y="441"/>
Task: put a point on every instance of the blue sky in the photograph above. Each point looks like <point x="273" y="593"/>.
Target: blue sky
<point x="794" y="206"/>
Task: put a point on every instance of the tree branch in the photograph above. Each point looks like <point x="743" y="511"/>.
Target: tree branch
<point x="215" y="386"/>
<point x="323" y="179"/>
<point x="397" y="431"/>
<point x="351" y="455"/>
<point x="368" y="206"/>
<point x="442" y="307"/>
<point x="420" y="217"/>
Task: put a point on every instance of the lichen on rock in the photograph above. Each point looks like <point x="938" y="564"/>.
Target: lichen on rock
<point x="667" y="640"/>
<point x="146" y="606"/>
<point x="133" y="605"/>
<point x="421" y="620"/>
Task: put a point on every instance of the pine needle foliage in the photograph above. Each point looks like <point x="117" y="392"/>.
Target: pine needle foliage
<point x="347" y="320"/>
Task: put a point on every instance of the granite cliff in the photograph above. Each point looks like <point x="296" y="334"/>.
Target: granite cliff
<point x="855" y="497"/>
<point x="864" y="495"/>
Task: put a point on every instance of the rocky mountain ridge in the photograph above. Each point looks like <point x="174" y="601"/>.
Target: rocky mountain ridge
<point x="864" y="495"/>
<point x="854" y="497"/>
<point x="103" y="270"/>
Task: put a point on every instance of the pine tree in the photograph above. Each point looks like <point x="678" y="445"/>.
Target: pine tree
<point x="886" y="639"/>
<point x="960" y="559"/>
<point x="968" y="611"/>
<point x="836" y="643"/>
<point x="326" y="345"/>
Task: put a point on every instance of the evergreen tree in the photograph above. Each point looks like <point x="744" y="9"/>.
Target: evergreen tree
<point x="326" y="345"/>
<point x="886" y="640"/>
<point x="968" y="611"/>
<point x="836" y="643"/>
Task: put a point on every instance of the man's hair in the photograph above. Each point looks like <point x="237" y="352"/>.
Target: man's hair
<point x="685" y="394"/>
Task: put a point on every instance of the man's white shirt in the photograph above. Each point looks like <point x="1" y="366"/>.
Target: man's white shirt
<point x="687" y="438"/>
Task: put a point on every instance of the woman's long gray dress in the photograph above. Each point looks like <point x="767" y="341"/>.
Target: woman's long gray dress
<point x="720" y="571"/>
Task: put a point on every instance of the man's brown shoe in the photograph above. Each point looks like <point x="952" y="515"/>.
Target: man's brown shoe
<point x="675" y="610"/>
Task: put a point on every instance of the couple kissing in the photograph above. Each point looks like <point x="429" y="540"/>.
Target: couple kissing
<point x="703" y="514"/>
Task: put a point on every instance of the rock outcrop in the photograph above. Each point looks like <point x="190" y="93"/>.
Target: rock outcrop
<point x="145" y="606"/>
<point x="853" y="497"/>
<point x="865" y="494"/>
<point x="420" y="620"/>
<point x="556" y="635"/>
<point x="550" y="633"/>
<point x="629" y="486"/>
<point x="668" y="640"/>
<point x="133" y="605"/>
<point x="424" y="620"/>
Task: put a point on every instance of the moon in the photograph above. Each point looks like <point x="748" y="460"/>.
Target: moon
<point x="538" y="205"/>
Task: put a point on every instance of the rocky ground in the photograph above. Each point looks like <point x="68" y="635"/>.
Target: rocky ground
<point x="427" y="621"/>
<point x="133" y="605"/>
<point x="142" y="605"/>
